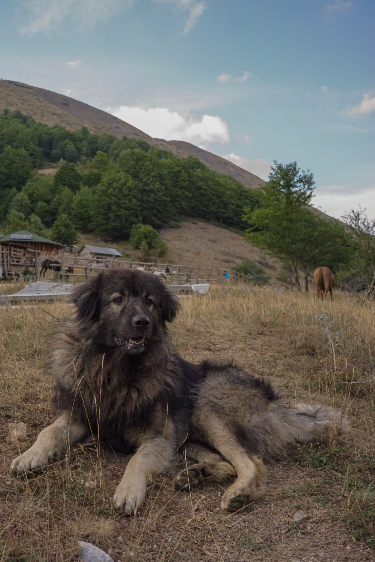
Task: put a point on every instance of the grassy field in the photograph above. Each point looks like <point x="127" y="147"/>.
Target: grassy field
<point x="314" y="352"/>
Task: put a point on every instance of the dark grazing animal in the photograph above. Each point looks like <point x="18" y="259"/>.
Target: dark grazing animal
<point x="118" y="378"/>
<point x="324" y="281"/>
<point x="54" y="265"/>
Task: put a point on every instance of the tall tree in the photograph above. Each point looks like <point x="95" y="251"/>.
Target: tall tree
<point x="115" y="207"/>
<point x="21" y="203"/>
<point x="63" y="231"/>
<point x="363" y="232"/>
<point x="35" y="225"/>
<point x="67" y="175"/>
<point x="15" y="168"/>
<point x="82" y="208"/>
<point x="287" y="228"/>
<point x="14" y="222"/>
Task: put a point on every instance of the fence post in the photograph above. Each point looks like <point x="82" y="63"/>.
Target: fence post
<point x="36" y="265"/>
<point x="63" y="266"/>
<point x="5" y="266"/>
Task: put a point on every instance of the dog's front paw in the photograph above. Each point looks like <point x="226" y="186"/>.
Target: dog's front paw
<point x="31" y="460"/>
<point x="129" y="497"/>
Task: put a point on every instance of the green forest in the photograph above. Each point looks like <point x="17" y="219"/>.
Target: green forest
<point x="106" y="185"/>
<point x="119" y="188"/>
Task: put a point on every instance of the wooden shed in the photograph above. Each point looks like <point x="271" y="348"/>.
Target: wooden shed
<point x="31" y="241"/>
<point x="22" y="251"/>
<point x="98" y="253"/>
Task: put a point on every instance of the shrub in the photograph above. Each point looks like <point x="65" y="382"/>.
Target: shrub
<point x="145" y="238"/>
<point x="253" y="270"/>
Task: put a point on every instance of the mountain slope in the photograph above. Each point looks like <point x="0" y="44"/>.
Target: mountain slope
<point x="56" y="109"/>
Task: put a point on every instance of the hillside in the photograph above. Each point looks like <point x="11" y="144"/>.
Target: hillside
<point x="201" y="244"/>
<point x="51" y="109"/>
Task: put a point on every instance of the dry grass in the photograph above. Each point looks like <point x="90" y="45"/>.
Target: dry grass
<point x="271" y="333"/>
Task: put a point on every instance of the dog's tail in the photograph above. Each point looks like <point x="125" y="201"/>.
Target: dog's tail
<point x="270" y="433"/>
<point x="316" y="422"/>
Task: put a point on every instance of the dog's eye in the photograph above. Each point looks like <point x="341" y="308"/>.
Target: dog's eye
<point x="148" y="301"/>
<point x="118" y="300"/>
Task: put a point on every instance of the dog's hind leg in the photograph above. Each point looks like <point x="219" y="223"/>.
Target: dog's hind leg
<point x="251" y="472"/>
<point x="210" y="466"/>
<point x="53" y="440"/>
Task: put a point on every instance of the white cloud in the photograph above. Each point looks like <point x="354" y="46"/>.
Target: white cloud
<point x="73" y="64"/>
<point x="259" y="167"/>
<point x="367" y="105"/>
<point x="336" y="5"/>
<point x="160" y="122"/>
<point x="324" y="89"/>
<point x="225" y="78"/>
<point x="194" y="9"/>
<point x="244" y="138"/>
<point x="336" y="200"/>
<point x="46" y="15"/>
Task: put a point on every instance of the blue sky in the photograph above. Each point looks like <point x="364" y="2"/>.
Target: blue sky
<point x="251" y="80"/>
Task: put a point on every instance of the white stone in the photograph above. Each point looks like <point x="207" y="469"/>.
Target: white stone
<point x="91" y="553"/>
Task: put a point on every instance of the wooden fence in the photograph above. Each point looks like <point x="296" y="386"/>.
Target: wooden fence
<point x="175" y="274"/>
<point x="14" y="261"/>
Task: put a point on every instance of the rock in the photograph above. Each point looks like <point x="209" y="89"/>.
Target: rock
<point x="17" y="432"/>
<point x="300" y="516"/>
<point x="91" y="553"/>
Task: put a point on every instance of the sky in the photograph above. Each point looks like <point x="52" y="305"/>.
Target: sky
<point x="254" y="81"/>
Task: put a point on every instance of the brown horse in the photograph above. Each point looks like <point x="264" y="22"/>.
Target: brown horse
<point x="324" y="281"/>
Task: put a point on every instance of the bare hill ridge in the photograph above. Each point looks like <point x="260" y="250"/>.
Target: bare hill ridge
<point x="51" y="109"/>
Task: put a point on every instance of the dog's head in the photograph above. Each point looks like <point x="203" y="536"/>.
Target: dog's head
<point x="126" y="308"/>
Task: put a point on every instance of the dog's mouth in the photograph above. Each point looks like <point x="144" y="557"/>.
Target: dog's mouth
<point x="131" y="343"/>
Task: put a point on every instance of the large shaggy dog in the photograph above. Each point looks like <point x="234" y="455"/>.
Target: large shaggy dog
<point x="118" y="378"/>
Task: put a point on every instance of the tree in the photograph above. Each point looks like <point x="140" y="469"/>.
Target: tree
<point x="63" y="231"/>
<point x="39" y="188"/>
<point x="14" y="222"/>
<point x="21" y="203"/>
<point x="15" y="168"/>
<point x="287" y="228"/>
<point x="35" y="225"/>
<point x="62" y="203"/>
<point x="82" y="208"/>
<point x="147" y="239"/>
<point x="289" y="185"/>
<point x="67" y="175"/>
<point x="69" y="151"/>
<point x="43" y="212"/>
<point x="363" y="232"/>
<point x="115" y="206"/>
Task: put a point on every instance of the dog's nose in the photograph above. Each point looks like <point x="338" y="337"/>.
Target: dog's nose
<point x="141" y="321"/>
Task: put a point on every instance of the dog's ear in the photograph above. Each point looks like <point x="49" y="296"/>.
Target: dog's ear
<point x="169" y="305"/>
<point x="86" y="297"/>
